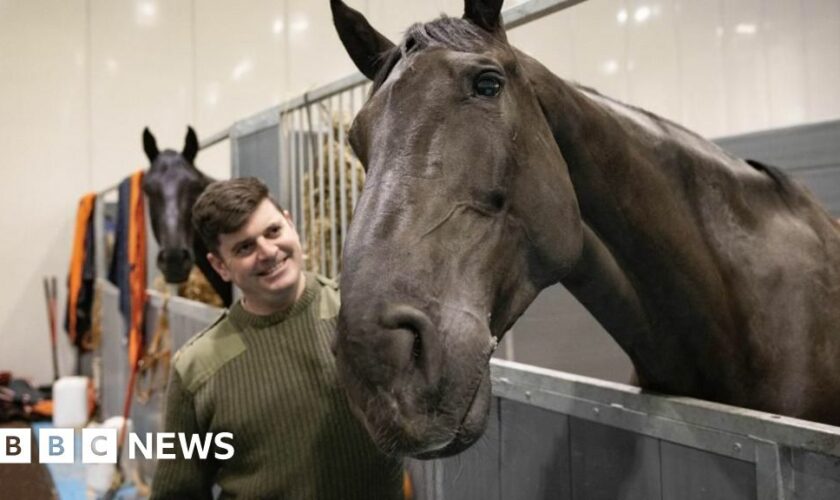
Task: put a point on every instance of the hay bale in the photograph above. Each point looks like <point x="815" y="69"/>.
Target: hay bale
<point x="195" y="288"/>
<point x="318" y="237"/>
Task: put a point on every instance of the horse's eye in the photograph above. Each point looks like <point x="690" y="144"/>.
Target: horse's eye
<point x="488" y="84"/>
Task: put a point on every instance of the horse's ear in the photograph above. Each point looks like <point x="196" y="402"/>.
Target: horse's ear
<point x="190" y="145"/>
<point x="150" y="145"/>
<point x="363" y="43"/>
<point x="485" y="13"/>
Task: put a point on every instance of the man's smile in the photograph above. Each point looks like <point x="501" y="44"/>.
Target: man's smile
<point x="274" y="269"/>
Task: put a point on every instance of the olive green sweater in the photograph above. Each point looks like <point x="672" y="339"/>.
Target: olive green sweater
<point x="271" y="382"/>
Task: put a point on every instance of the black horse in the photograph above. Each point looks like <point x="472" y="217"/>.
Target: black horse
<point x="172" y="185"/>
<point x="489" y="179"/>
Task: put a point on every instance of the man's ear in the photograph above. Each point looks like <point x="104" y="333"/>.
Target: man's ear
<point x="219" y="266"/>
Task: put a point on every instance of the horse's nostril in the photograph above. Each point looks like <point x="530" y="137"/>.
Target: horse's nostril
<point x="417" y="347"/>
<point x="175" y="263"/>
<point x="425" y="353"/>
<point x="174" y="256"/>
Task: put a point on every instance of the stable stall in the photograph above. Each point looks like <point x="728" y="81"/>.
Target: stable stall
<point x="552" y="434"/>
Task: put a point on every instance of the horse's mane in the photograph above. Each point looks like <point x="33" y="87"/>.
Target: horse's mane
<point x="462" y="35"/>
<point x="782" y="180"/>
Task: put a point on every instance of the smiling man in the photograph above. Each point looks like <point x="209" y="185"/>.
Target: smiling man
<point x="264" y="371"/>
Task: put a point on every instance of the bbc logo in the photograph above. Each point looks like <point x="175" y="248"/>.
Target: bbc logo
<point x="58" y="446"/>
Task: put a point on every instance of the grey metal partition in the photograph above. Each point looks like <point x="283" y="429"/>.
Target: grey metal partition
<point x="562" y="436"/>
<point x="253" y="149"/>
<point x="186" y="318"/>
<point x="809" y="153"/>
<point x="113" y="352"/>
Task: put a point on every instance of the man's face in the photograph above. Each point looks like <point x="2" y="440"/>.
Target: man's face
<point x="263" y="258"/>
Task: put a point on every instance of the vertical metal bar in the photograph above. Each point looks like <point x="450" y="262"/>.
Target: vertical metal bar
<point x="234" y="154"/>
<point x="333" y="218"/>
<point x="437" y="474"/>
<point x="293" y="158"/>
<point x="509" y="340"/>
<point x="311" y="199"/>
<point x="342" y="168"/>
<point x="301" y="144"/>
<point x="310" y="172"/>
<point x="773" y="471"/>
<point x="322" y="213"/>
<point x="283" y="159"/>
<point x="304" y="166"/>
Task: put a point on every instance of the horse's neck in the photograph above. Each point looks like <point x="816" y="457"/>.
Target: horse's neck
<point x="646" y="273"/>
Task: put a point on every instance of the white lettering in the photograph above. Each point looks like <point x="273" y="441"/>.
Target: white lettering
<point x="164" y="442"/>
<point x="195" y="443"/>
<point x="146" y="446"/>
<point x="220" y="443"/>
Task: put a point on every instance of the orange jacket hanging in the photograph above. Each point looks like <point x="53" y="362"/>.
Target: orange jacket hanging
<point x="137" y="268"/>
<point x="77" y="267"/>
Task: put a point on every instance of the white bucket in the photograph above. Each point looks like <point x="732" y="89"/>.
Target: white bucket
<point x="70" y="402"/>
<point x="99" y="477"/>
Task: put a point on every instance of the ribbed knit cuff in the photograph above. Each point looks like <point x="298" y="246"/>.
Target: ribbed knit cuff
<point x="243" y="319"/>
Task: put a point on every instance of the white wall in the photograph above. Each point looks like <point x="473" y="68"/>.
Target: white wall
<point x="79" y="79"/>
<point x="720" y="67"/>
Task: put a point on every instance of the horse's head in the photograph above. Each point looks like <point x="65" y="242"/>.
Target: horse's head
<point x="172" y="185"/>
<point x="467" y="212"/>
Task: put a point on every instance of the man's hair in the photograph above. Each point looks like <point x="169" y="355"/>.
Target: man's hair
<point x="224" y="207"/>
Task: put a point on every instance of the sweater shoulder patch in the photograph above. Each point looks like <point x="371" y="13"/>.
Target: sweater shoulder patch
<point x="207" y="352"/>
<point x="330" y="299"/>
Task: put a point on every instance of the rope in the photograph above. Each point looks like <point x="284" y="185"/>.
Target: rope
<point x="157" y="354"/>
<point x="92" y="338"/>
<point x="155" y="364"/>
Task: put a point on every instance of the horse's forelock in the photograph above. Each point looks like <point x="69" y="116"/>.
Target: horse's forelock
<point x="447" y="32"/>
<point x="450" y="32"/>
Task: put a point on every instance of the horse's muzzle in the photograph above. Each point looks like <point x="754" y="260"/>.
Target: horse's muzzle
<point x="175" y="264"/>
<point x="423" y="350"/>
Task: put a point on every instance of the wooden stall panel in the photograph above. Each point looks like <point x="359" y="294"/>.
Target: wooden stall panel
<point x="534" y="454"/>
<point x="692" y="474"/>
<point x="613" y="464"/>
<point x="474" y="474"/>
<point x="815" y="476"/>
